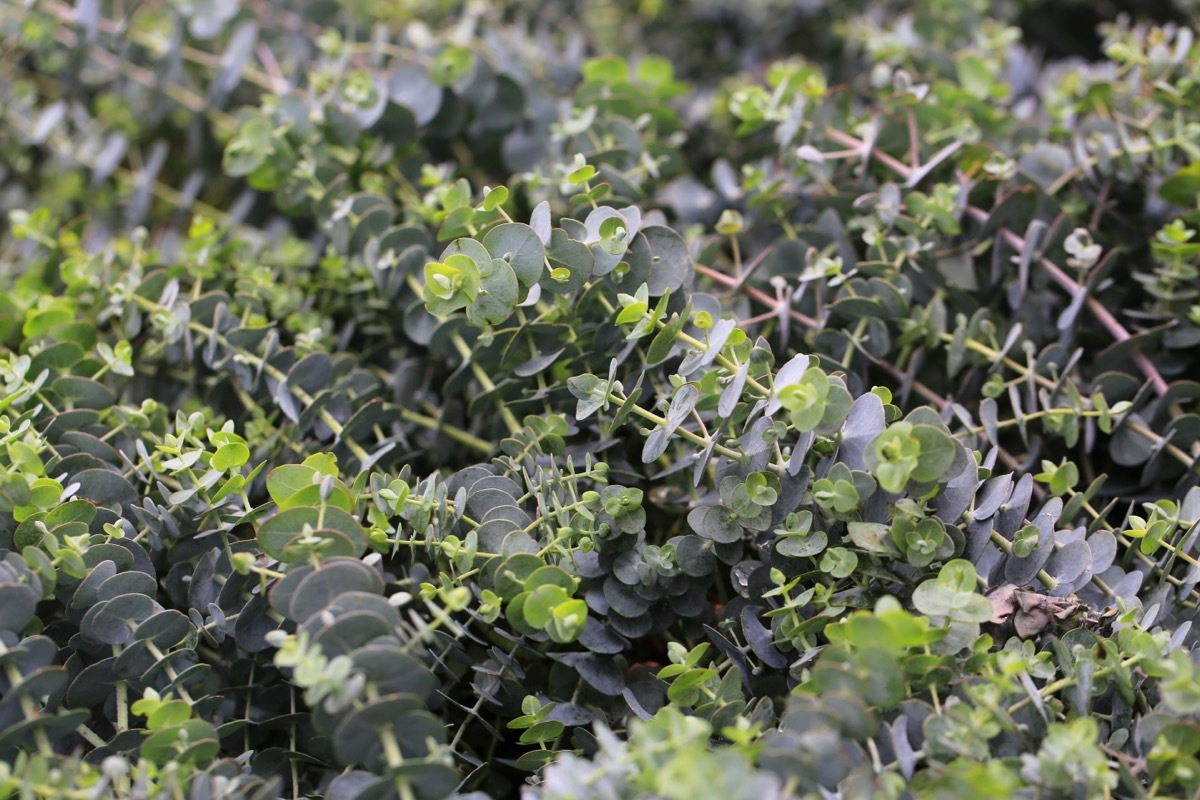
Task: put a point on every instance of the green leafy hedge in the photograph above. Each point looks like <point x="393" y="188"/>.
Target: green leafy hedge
<point x="455" y="399"/>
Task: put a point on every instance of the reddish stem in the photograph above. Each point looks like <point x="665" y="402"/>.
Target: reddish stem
<point x="1106" y="318"/>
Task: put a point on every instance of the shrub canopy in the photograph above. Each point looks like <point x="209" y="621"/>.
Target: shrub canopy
<point x="592" y="400"/>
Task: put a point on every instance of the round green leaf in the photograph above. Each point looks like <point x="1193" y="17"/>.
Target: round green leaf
<point x="520" y="246"/>
<point x="716" y="523"/>
<point x="570" y="264"/>
<point x="279" y="531"/>
<point x="498" y="293"/>
<point x="541" y="602"/>
<point x="284" y="481"/>
<point x="230" y="456"/>
<point x="670" y="262"/>
<point x="567" y="621"/>
<point x="513" y="572"/>
<point x="937" y="453"/>
<point x="551" y="576"/>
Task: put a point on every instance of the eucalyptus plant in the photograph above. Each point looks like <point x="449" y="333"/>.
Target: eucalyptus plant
<point x="436" y="403"/>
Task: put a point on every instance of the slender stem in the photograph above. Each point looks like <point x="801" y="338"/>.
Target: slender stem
<point x="94" y="739"/>
<point x="1063" y="683"/>
<point x="391" y="752"/>
<point x="1091" y="161"/>
<point x="1005" y="545"/>
<point x="1141" y="430"/>
<point x="122" y="701"/>
<point x="28" y="709"/>
<point x="1105" y="317"/>
<point x="185" y="97"/>
<point x="695" y="438"/>
<point x="812" y="324"/>
<point x="457" y="434"/>
<point x="1048" y="412"/>
<point x="273" y="372"/>
<point x="888" y="161"/>
<point x="137" y="34"/>
<point x="170" y="670"/>
<point x="485" y="381"/>
<point x="721" y="359"/>
<point x="808" y="322"/>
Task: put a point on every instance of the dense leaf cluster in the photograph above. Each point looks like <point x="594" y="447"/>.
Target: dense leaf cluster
<point x="432" y="402"/>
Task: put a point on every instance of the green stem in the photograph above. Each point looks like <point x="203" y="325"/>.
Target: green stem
<point x="481" y="375"/>
<point x="272" y="371"/>
<point x="122" y="700"/>
<point x="1006" y="546"/>
<point x="28" y="708"/>
<point x="1022" y="370"/>
<point x="695" y="438"/>
<point x="171" y="673"/>
<point x="723" y="360"/>
<point x="391" y="752"/>
<point x="90" y="735"/>
<point x="457" y="434"/>
<point x="1063" y="683"/>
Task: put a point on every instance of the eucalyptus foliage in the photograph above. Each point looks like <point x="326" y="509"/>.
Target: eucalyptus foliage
<point x="449" y="399"/>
